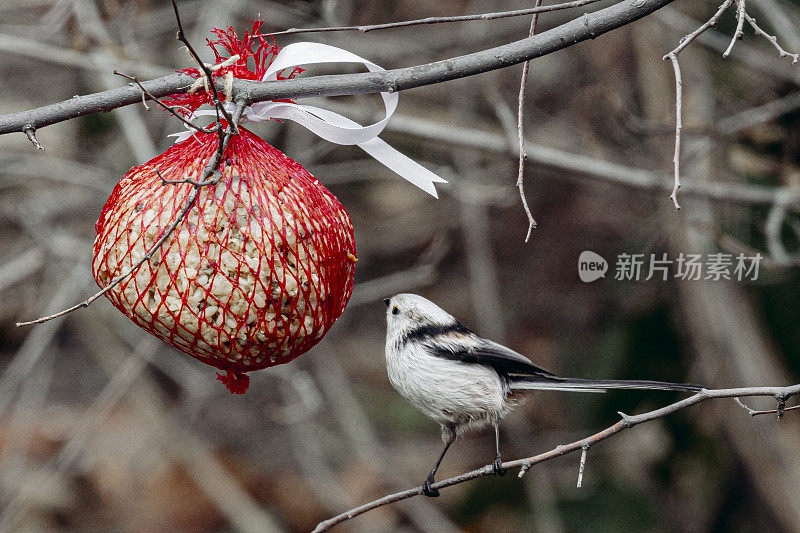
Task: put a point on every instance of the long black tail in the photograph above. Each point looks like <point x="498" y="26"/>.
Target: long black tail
<point x="593" y="385"/>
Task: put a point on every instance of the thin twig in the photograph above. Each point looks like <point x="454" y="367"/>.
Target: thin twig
<point x="30" y="132"/>
<point x="520" y="110"/>
<point x="673" y="57"/>
<point x="437" y="20"/>
<point x="628" y="421"/>
<point x="211" y="181"/>
<point x="754" y="412"/>
<point x="676" y="158"/>
<point x="584" y="449"/>
<point x="687" y="39"/>
<point x="771" y="38"/>
<point x="209" y="170"/>
<point x="206" y="71"/>
<point x="146" y="95"/>
<point x="117" y="280"/>
<point x="740" y="14"/>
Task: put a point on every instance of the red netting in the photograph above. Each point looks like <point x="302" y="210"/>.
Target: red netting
<point x="255" y="274"/>
<point x="255" y="55"/>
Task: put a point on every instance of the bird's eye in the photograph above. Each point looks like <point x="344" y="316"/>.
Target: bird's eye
<point x="395" y="310"/>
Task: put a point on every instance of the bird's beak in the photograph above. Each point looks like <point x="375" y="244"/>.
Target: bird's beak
<point x="387" y="301"/>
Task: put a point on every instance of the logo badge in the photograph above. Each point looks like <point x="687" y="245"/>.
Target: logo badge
<point x="591" y="266"/>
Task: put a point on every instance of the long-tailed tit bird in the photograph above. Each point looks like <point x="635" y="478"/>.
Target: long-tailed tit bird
<point x="464" y="381"/>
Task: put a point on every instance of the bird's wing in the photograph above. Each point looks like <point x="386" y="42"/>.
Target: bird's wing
<point x="467" y="347"/>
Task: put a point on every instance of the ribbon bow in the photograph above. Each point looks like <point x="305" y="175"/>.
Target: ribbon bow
<point x="328" y="125"/>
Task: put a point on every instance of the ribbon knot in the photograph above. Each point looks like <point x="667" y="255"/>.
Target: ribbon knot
<point x="327" y="124"/>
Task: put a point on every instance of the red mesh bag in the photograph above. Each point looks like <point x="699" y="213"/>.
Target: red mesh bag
<point x="253" y="276"/>
<point x="261" y="265"/>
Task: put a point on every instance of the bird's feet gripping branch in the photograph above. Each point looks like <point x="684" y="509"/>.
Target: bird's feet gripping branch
<point x="427" y="488"/>
<point x="497" y="465"/>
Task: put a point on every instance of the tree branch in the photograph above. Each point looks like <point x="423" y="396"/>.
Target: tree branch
<point x="771" y="38"/>
<point x="520" y="123"/>
<point x="673" y="57"/>
<point x="740" y="12"/>
<point x="438" y="20"/>
<point x="586" y="27"/>
<point x="781" y="394"/>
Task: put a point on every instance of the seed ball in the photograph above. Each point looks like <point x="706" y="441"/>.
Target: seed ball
<point x="255" y="273"/>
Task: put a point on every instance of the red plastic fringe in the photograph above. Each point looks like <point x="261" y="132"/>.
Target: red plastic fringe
<point x="255" y="274"/>
<point x="236" y="382"/>
<point x="255" y="55"/>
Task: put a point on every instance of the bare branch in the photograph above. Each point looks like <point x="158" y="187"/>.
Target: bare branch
<point x="520" y="111"/>
<point x="30" y="132"/>
<point x="586" y="27"/>
<point x="771" y="38"/>
<point x="753" y="412"/>
<point x="676" y="159"/>
<point x="740" y="14"/>
<point x="628" y="421"/>
<point x="170" y="109"/>
<point x="686" y="41"/>
<point x="584" y="449"/>
<point x="673" y="57"/>
<point x="206" y="72"/>
<point x="210" y="169"/>
<point x="437" y="20"/>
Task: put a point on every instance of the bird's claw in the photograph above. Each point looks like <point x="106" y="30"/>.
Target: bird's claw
<point x="497" y="466"/>
<point x="427" y="490"/>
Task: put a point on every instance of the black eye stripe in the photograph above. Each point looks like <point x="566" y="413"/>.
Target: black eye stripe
<point x="425" y="333"/>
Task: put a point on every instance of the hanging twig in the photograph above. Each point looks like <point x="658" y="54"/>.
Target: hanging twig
<point x="584" y="449"/>
<point x="206" y="72"/>
<point x="205" y="180"/>
<point x="740" y="14"/>
<point x="30" y="132"/>
<point x="520" y="112"/>
<point x="673" y="57"/>
<point x="676" y="158"/>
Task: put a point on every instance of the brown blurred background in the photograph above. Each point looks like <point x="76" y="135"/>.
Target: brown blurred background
<point x="104" y="428"/>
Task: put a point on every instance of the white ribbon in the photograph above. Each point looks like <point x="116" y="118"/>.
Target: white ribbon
<point x="326" y="124"/>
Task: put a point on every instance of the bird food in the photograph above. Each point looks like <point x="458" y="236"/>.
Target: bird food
<point x="255" y="273"/>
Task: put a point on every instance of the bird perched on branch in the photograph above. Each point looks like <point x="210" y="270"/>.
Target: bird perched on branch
<point x="463" y="381"/>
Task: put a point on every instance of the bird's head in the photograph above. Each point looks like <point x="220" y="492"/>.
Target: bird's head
<point x="409" y="312"/>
